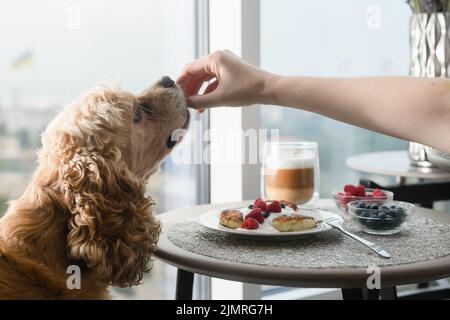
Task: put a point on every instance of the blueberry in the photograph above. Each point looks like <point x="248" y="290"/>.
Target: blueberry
<point x="393" y="207"/>
<point x="372" y="224"/>
<point x="393" y="223"/>
<point x="361" y="205"/>
<point x="266" y="214"/>
<point x="384" y="209"/>
<point x="283" y="206"/>
<point x="393" y="212"/>
<point x="379" y="225"/>
<point x="250" y="206"/>
<point x="382" y="215"/>
<point x="366" y="214"/>
<point x="401" y="212"/>
<point x="374" y="206"/>
<point x="359" y="212"/>
<point x="374" y="214"/>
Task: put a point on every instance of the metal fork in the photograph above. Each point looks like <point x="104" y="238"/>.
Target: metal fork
<point x="333" y="222"/>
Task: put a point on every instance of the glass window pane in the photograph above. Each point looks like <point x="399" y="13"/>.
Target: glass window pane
<point x="53" y="51"/>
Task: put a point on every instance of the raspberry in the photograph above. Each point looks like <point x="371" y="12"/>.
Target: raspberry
<point x="377" y="193"/>
<point x="256" y="214"/>
<point x="360" y="191"/>
<point x="350" y="188"/>
<point x="257" y="200"/>
<point x="260" y="204"/>
<point x="345" y="197"/>
<point x="250" y="224"/>
<point x="274" y="206"/>
<point x="345" y="194"/>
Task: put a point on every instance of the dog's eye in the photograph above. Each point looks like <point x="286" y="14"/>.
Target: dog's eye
<point x="170" y="143"/>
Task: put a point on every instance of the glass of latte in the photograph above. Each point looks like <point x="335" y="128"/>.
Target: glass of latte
<point x="290" y="172"/>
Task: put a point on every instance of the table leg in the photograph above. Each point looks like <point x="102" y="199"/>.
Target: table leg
<point x="388" y="293"/>
<point x="352" y="294"/>
<point x="185" y="284"/>
<point x="360" y="294"/>
<point x="373" y="294"/>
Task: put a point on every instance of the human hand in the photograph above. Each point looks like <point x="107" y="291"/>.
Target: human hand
<point x="232" y="81"/>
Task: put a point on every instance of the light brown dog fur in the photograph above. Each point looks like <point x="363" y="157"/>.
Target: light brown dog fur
<point x="85" y="205"/>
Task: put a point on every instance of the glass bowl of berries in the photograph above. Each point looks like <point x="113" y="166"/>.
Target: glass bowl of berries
<point x="353" y="193"/>
<point x="381" y="217"/>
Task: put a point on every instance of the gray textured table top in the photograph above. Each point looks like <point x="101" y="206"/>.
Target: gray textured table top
<point x="339" y="270"/>
<point x="425" y="241"/>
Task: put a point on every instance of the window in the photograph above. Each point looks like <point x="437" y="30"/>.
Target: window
<point x="330" y="38"/>
<point x="348" y="38"/>
<point x="52" y="52"/>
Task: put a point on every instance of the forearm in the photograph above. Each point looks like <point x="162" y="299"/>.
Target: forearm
<point x="416" y="109"/>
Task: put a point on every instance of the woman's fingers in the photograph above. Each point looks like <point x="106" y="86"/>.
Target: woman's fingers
<point x="193" y="87"/>
<point x="196" y="69"/>
<point x="209" y="99"/>
<point x="233" y="85"/>
<point x="190" y="81"/>
<point x="212" y="86"/>
<point x="194" y="75"/>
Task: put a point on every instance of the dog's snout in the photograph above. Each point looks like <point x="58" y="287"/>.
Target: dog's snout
<point x="166" y="82"/>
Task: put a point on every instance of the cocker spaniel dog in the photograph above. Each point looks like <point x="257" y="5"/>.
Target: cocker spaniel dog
<point x="86" y="205"/>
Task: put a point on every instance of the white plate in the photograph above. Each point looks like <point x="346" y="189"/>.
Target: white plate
<point x="210" y="220"/>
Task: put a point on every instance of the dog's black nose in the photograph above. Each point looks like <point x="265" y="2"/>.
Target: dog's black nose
<point x="166" y="82"/>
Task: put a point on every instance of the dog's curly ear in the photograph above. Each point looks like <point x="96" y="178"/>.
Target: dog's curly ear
<point x="111" y="227"/>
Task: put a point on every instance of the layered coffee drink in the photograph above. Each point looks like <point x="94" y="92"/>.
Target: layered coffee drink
<point x="289" y="174"/>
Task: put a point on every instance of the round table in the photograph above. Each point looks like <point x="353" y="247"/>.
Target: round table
<point x="393" y="163"/>
<point x="350" y="280"/>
